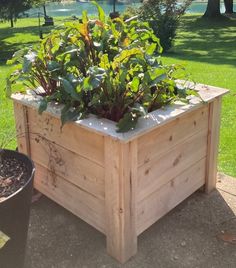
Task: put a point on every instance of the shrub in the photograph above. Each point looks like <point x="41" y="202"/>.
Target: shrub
<point x="164" y="17"/>
<point x="101" y="66"/>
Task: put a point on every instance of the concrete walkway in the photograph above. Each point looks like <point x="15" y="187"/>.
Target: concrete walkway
<point x="200" y="232"/>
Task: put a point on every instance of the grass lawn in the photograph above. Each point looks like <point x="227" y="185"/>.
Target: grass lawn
<point x="206" y="49"/>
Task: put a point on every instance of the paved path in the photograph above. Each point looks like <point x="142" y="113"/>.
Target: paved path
<point x="200" y="232"/>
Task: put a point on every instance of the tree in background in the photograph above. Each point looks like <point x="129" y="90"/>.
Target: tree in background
<point x="229" y="6"/>
<point x="10" y="9"/>
<point x="213" y="8"/>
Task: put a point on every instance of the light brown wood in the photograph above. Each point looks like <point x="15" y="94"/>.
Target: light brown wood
<point x="120" y="193"/>
<point x="80" y="171"/>
<point x="22" y="128"/>
<point x="164" y="138"/>
<point x="160" y="202"/>
<point x="213" y="144"/>
<point x="122" y="183"/>
<point x="164" y="168"/>
<point x="71" y="197"/>
<point x="83" y="142"/>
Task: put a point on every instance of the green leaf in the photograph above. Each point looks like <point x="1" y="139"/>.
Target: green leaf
<point x="139" y="110"/>
<point x="26" y="66"/>
<point x="104" y="62"/>
<point x="101" y="13"/>
<point x="151" y="49"/>
<point x="85" y="16"/>
<point x="128" y="122"/>
<point x="134" y="85"/>
<point x="53" y="66"/>
<point x="42" y="106"/>
<point x="68" y="87"/>
<point x="68" y="115"/>
<point x="125" y="55"/>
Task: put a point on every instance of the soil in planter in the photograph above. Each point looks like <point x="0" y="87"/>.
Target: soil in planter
<point x="13" y="175"/>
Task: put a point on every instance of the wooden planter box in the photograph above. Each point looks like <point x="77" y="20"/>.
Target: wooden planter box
<point x="122" y="183"/>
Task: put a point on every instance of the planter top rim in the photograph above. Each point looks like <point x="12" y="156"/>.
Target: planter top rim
<point x="145" y="124"/>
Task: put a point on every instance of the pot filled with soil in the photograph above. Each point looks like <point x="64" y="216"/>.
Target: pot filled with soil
<point x="16" y="185"/>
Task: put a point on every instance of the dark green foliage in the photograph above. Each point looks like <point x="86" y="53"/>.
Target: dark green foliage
<point x="10" y="9"/>
<point x="164" y="16"/>
<point x="100" y="66"/>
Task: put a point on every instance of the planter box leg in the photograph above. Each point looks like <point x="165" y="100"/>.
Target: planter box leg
<point x="213" y="144"/>
<point x="120" y="191"/>
<point x="22" y="128"/>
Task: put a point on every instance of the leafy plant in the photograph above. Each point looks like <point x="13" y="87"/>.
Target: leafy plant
<point x="102" y="66"/>
<point x="164" y="17"/>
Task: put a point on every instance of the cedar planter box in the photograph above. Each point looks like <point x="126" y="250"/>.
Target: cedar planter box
<point x="122" y="183"/>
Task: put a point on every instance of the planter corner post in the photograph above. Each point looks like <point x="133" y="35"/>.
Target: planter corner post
<point x="120" y="195"/>
<point x="213" y="144"/>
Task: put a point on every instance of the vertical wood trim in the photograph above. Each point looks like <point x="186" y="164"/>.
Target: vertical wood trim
<point x="120" y="198"/>
<point x="26" y="127"/>
<point x="22" y="128"/>
<point x="213" y="144"/>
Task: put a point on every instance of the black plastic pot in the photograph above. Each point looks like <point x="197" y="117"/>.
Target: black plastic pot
<point x="14" y="218"/>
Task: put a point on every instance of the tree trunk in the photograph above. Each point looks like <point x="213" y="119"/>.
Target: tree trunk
<point x="229" y="6"/>
<point x="12" y="22"/>
<point x="44" y="11"/>
<point x="213" y="9"/>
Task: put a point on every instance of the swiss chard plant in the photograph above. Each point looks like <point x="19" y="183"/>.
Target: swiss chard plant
<point x="107" y="67"/>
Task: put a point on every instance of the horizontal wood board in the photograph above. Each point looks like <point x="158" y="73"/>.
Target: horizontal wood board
<point x="163" y="168"/>
<point x="159" y="117"/>
<point x="74" y="168"/>
<point x="162" y="139"/>
<point x="76" y="200"/>
<point x="72" y="137"/>
<point x="160" y="202"/>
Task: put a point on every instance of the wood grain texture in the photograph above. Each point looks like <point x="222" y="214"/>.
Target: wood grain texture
<point x="164" y="168"/>
<point x="160" y="202"/>
<point x="79" y="202"/>
<point x="213" y="144"/>
<point x="74" y="168"/>
<point x="120" y="193"/>
<point x="83" y="142"/>
<point x="22" y="128"/>
<point x="164" y="138"/>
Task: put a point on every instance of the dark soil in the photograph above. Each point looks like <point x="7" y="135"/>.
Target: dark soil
<point x="13" y="175"/>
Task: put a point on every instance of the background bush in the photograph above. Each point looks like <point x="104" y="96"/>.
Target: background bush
<point x="163" y="17"/>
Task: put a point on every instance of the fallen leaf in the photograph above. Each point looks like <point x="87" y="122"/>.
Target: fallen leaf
<point x="3" y="239"/>
<point x="228" y="237"/>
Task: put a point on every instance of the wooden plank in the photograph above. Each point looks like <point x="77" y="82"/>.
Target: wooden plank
<point x="82" y="204"/>
<point x="213" y="144"/>
<point x="72" y="167"/>
<point x="161" y="170"/>
<point x="71" y="136"/>
<point x="120" y="194"/>
<point x="162" y="139"/>
<point x="22" y="128"/>
<point x="208" y="93"/>
<point x="170" y="195"/>
<point x="154" y="119"/>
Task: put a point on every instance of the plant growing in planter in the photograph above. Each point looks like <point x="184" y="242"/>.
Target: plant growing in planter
<point x="16" y="185"/>
<point x="104" y="67"/>
<point x="125" y="161"/>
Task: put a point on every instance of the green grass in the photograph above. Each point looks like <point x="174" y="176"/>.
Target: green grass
<point x="206" y="49"/>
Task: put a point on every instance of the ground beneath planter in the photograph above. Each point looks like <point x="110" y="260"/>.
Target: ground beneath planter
<point x="200" y="232"/>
